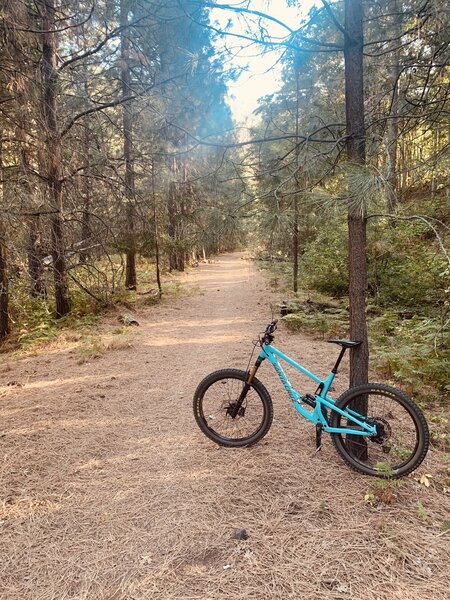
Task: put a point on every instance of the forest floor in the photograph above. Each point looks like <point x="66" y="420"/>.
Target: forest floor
<point x="108" y="490"/>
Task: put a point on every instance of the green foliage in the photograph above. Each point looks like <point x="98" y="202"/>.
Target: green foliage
<point x="37" y="324"/>
<point x="421" y="511"/>
<point x="405" y="270"/>
<point x="383" y="489"/>
<point x="411" y="349"/>
<point x="323" y="264"/>
<point x="278" y="270"/>
<point x="327" y="325"/>
<point x="414" y="351"/>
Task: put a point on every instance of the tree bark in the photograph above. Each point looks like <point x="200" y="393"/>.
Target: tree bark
<point x="35" y="256"/>
<point x="21" y="84"/>
<point x="156" y="230"/>
<point x="295" y="239"/>
<point x="53" y="156"/>
<point x="433" y="181"/>
<point x="4" y="292"/>
<point x="130" y="192"/>
<point x="86" y="214"/>
<point x="354" y="107"/>
<point x="357" y="220"/>
<point x="392" y="123"/>
<point x="34" y="245"/>
<point x="172" y="224"/>
<point x="295" y="232"/>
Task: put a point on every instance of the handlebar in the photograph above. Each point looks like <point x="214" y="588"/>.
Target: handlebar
<point x="268" y="333"/>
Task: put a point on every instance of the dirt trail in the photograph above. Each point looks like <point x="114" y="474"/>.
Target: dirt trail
<point x="109" y="491"/>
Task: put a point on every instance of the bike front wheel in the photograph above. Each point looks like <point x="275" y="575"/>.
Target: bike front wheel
<point x="402" y="438"/>
<point x="216" y="397"/>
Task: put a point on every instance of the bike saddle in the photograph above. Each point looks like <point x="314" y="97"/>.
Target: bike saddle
<point x="345" y="343"/>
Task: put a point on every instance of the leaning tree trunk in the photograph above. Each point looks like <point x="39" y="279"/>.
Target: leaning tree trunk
<point x="130" y="192"/>
<point x="53" y="156"/>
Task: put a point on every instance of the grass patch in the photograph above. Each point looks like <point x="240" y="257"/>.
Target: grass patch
<point x="90" y="348"/>
<point x="93" y="347"/>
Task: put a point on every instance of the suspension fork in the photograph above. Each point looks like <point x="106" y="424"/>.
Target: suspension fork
<point x="247" y="385"/>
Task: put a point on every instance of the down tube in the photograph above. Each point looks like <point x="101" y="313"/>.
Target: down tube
<point x="293" y="394"/>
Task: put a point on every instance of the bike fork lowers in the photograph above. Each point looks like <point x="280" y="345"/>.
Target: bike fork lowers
<point x="245" y="389"/>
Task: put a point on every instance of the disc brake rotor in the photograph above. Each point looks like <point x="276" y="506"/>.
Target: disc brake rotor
<point x="230" y="408"/>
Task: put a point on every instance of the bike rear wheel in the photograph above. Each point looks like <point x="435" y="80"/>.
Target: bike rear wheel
<point x="402" y="436"/>
<point x="214" y="401"/>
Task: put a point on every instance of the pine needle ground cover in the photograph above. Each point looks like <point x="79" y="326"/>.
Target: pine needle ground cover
<point x="109" y="490"/>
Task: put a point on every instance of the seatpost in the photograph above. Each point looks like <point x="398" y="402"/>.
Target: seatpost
<point x="338" y="362"/>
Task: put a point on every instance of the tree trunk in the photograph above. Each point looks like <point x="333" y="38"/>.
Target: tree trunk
<point x="354" y="108"/>
<point x="130" y="193"/>
<point x="433" y="182"/>
<point x="392" y="123"/>
<point x="354" y="105"/>
<point x="404" y="168"/>
<point x="4" y="295"/>
<point x="295" y="235"/>
<point x="34" y="245"/>
<point x="4" y="292"/>
<point x="295" y="246"/>
<point x="156" y="230"/>
<point x="172" y="222"/>
<point x="86" y="214"/>
<point x="21" y="85"/>
<point x="53" y="156"/>
<point x="34" y="242"/>
<point x="35" y="256"/>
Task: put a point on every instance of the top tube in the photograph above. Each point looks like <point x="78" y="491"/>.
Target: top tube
<point x="270" y="350"/>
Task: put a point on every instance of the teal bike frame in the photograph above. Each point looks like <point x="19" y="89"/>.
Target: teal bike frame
<point x="320" y="399"/>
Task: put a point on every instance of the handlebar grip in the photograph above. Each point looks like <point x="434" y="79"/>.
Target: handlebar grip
<point x="271" y="326"/>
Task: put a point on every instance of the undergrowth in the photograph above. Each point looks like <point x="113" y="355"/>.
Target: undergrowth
<point x="34" y="323"/>
<point x="406" y="347"/>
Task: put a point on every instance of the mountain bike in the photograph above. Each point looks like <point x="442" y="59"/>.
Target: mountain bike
<point x="377" y="429"/>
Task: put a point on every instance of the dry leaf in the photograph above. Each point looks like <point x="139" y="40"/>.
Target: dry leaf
<point x="425" y="479"/>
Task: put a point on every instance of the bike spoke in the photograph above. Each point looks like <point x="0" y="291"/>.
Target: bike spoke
<point x="397" y="442"/>
<point x="220" y="398"/>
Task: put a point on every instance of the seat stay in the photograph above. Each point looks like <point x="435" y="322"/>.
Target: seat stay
<point x="350" y="415"/>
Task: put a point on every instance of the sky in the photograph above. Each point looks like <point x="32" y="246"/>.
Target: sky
<point x="262" y="75"/>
